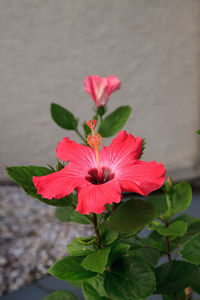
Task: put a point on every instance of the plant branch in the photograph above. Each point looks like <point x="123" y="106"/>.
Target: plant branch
<point x="80" y="135"/>
<point x="94" y="220"/>
<point x="169" y="254"/>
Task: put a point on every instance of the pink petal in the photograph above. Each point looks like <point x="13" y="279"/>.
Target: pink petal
<point x="82" y="156"/>
<point x="59" y="184"/>
<point x="142" y="177"/>
<point x="92" y="198"/>
<point x="113" y="84"/>
<point x="95" y="86"/>
<point x="124" y="149"/>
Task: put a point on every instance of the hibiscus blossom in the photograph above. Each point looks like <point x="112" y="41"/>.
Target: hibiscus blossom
<point x="100" y="88"/>
<point x="100" y="176"/>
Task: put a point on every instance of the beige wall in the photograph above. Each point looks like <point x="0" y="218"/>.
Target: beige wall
<point x="48" y="47"/>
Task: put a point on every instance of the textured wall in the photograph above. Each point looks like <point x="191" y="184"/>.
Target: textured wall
<point x="48" y="47"/>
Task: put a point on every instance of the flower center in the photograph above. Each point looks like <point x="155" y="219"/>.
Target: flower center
<point x="106" y="176"/>
<point x="95" y="141"/>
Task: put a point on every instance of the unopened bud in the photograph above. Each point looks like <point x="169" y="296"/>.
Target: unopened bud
<point x="169" y="181"/>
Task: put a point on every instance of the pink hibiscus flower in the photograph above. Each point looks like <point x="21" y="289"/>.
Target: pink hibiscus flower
<point x="101" y="179"/>
<point x="100" y="88"/>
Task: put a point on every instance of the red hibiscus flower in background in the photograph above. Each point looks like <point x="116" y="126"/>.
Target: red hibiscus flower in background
<point x="120" y="170"/>
<point x="100" y="88"/>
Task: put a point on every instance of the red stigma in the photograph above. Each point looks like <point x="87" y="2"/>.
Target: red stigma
<point x="91" y="124"/>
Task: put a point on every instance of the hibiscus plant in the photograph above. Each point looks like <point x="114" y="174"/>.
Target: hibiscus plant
<point x="107" y="187"/>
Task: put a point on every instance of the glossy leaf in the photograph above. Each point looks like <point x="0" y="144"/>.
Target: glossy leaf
<point x="76" y="217"/>
<point x="129" y="279"/>
<point x="198" y="131"/>
<point x="174" y="276"/>
<point x="194" y="227"/>
<point x="186" y="218"/>
<point x="131" y="216"/>
<point x="61" y="295"/>
<point x="23" y="177"/>
<point x="143" y="147"/>
<point x="81" y="246"/>
<point x="117" y="251"/>
<point x="96" y="261"/>
<point x="181" y="197"/>
<point x="160" y="204"/>
<point x="179" y="296"/>
<point x="158" y="242"/>
<point x="139" y="250"/>
<point x="147" y="255"/>
<point x="64" y="213"/>
<point x="63" y="117"/>
<point x="94" y="289"/>
<point x="115" y="121"/>
<point x="178" y="228"/>
<point x="191" y="250"/>
<point x="69" y="268"/>
<point x="86" y="129"/>
<point x="108" y="237"/>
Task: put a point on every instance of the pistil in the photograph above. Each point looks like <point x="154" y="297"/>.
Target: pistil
<point x="95" y="141"/>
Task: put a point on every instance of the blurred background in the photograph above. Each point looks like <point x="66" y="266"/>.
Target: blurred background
<point x="47" y="48"/>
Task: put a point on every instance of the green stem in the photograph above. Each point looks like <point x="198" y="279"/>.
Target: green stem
<point x="80" y="135"/>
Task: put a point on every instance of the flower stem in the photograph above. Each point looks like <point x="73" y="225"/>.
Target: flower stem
<point x="169" y="254"/>
<point x="94" y="220"/>
<point x="80" y="135"/>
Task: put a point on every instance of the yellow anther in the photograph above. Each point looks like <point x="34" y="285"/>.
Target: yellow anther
<point x="95" y="141"/>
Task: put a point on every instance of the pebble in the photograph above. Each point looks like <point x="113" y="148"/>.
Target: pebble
<point x="31" y="238"/>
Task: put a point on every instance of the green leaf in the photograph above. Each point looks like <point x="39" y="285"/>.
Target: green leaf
<point x="174" y="276"/>
<point x="23" y="177"/>
<point x="191" y="250"/>
<point x="194" y="227"/>
<point x="94" y="289"/>
<point x="69" y="268"/>
<point x="68" y="214"/>
<point x="129" y="279"/>
<point x="117" y="251"/>
<point x="179" y="296"/>
<point x="160" y="204"/>
<point x="115" y="121"/>
<point x="186" y="218"/>
<point x="81" y="246"/>
<point x="96" y="261"/>
<point x="108" y="237"/>
<point x="131" y="216"/>
<point x="61" y="295"/>
<point x="143" y="147"/>
<point x="147" y="255"/>
<point x="86" y="129"/>
<point x="181" y="197"/>
<point x="178" y="228"/>
<point x="63" y="117"/>
<point x="198" y="131"/>
<point x="64" y="213"/>
<point x="157" y="241"/>
<point x="76" y="217"/>
<point x="196" y="288"/>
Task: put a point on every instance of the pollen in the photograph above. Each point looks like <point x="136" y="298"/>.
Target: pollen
<point x="95" y="141"/>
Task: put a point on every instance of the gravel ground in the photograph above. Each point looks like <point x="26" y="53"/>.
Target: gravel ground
<point x="31" y="239"/>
